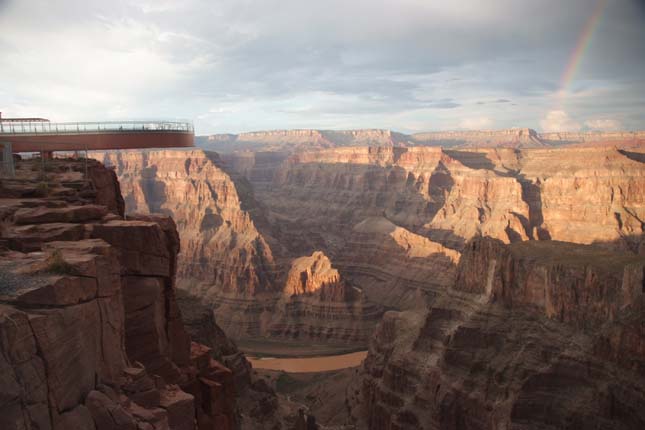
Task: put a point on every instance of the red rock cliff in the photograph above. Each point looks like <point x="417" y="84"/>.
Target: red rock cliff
<point x="91" y="336"/>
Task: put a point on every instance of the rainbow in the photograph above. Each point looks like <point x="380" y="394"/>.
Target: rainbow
<point x="581" y="45"/>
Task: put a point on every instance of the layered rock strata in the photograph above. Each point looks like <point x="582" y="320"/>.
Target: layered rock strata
<point x="515" y="138"/>
<point x="454" y="195"/>
<point x="297" y="140"/>
<point x="532" y="335"/>
<point x="222" y="250"/>
<point x="322" y="200"/>
<point x="594" y="137"/>
<point x="291" y="141"/>
<point x="228" y="244"/>
<point x="394" y="220"/>
<point x="91" y="334"/>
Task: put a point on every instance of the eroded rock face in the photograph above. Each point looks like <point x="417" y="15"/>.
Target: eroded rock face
<point x="392" y="219"/>
<point x="581" y="195"/>
<point x="530" y="336"/>
<point x="454" y="195"/>
<point x="91" y="336"/>
<point x="318" y="304"/>
<point x="218" y="221"/>
<point x="205" y="204"/>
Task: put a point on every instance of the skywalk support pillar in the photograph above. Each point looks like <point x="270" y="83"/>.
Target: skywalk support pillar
<point x="6" y="155"/>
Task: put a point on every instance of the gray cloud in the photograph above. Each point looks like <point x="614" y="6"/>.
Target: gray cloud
<point x="236" y="65"/>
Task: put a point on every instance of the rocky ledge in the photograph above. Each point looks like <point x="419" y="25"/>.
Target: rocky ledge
<point x="91" y="336"/>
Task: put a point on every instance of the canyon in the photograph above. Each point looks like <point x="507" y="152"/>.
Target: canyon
<point x="492" y="283"/>
<point x="390" y="221"/>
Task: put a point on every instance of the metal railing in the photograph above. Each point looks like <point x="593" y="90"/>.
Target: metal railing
<point x="28" y="127"/>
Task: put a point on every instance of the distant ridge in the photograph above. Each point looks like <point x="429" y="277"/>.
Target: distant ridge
<point x="515" y="137"/>
<point x="300" y="139"/>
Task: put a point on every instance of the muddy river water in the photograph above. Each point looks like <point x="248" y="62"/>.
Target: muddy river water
<point x="309" y="364"/>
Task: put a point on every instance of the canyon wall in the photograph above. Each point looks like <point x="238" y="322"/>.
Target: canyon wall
<point x="222" y="249"/>
<point x="535" y="334"/>
<point x="230" y="258"/>
<point x="394" y="220"/>
<point x="91" y="336"/>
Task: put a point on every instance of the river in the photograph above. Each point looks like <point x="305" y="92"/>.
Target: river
<point x="310" y="364"/>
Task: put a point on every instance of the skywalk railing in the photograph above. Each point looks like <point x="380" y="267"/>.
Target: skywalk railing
<point x="43" y="127"/>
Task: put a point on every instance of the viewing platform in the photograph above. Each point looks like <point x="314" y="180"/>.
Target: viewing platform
<point x="41" y="135"/>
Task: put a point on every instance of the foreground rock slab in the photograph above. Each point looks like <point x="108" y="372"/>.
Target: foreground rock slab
<point x="91" y="336"/>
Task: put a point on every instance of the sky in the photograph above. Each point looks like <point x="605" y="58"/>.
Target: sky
<point x="405" y="65"/>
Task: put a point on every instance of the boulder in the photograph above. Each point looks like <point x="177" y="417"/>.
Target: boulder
<point x="180" y="408"/>
<point x="141" y="246"/>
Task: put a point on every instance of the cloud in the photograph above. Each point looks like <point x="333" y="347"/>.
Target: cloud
<point x="603" y="124"/>
<point x="559" y="120"/>
<point x="494" y="101"/>
<point x="332" y="64"/>
<point x="443" y="104"/>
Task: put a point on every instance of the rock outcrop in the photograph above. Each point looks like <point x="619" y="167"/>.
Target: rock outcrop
<point x="91" y="334"/>
<point x="319" y="305"/>
<point x="537" y="334"/>
<point x="580" y="195"/>
<point x="314" y="275"/>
